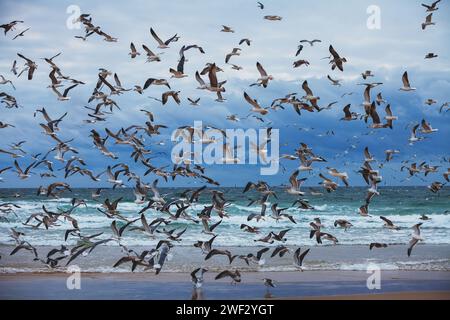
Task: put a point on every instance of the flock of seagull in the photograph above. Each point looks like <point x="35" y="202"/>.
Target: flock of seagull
<point x="176" y="208"/>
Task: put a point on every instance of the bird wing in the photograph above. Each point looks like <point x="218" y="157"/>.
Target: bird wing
<point x="389" y="222"/>
<point x="212" y="76"/>
<point x="306" y="88"/>
<point x="155" y="36"/>
<point x="388" y="110"/>
<point x="347" y="112"/>
<point x="405" y="80"/>
<point x="261" y="69"/>
<point x="251" y="101"/>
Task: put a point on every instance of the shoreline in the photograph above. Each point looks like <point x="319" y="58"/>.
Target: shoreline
<point x="248" y="276"/>
<point x="338" y="258"/>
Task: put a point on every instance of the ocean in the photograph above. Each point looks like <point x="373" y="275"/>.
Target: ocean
<point x="402" y="205"/>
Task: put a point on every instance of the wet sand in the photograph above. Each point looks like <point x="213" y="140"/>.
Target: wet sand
<point x="390" y="296"/>
<point x="186" y="258"/>
<point x="289" y="285"/>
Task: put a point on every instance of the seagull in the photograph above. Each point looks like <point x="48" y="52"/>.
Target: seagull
<point x="367" y="156"/>
<point x="256" y="107"/>
<point x="156" y="82"/>
<point x="264" y="77"/>
<point x="235" y="52"/>
<point x="426" y="128"/>
<point x="300" y="63"/>
<point x="3" y="80"/>
<point x="295" y="184"/>
<point x="163" y="255"/>
<point x="432" y="7"/>
<point x="214" y="252"/>
<point x="234" y="275"/>
<point x="349" y="116"/>
<point x="173" y="94"/>
<point x="133" y="52"/>
<point x="430" y="102"/>
<point x="415" y="238"/>
<point x="268" y="283"/>
<point x="388" y="224"/>
<point x="299" y="49"/>
<point x="246" y="41"/>
<point x="364" y="211"/>
<point x="329" y="237"/>
<point x="236" y="67"/>
<point x="337" y="61"/>
<point x="192" y="46"/>
<point x="150" y="55"/>
<point x="207" y="229"/>
<point x="31" y="66"/>
<point x="10" y="26"/>
<point x="446" y="175"/>
<point x="367" y="104"/>
<point x="343" y="224"/>
<point x="233" y="117"/>
<point x="273" y="18"/>
<point x="249" y="229"/>
<point x="444" y="105"/>
<point x="260" y="5"/>
<point x="63" y="97"/>
<point x="412" y="169"/>
<point x="334" y="82"/>
<point x="341" y="175"/>
<point x="21" y="34"/>
<point x="380" y="99"/>
<point x="428" y="21"/>
<point x="14" y="68"/>
<point x="309" y="94"/>
<point x="435" y="187"/>
<point x="367" y="74"/>
<point x="113" y="178"/>
<point x="258" y="257"/>
<point x="389" y="117"/>
<point x="23" y="174"/>
<point x="431" y="55"/>
<point x="377" y="245"/>
<point x="194" y="102"/>
<point x="156" y="195"/>
<point x="413" y="138"/>
<point x="406" y="85"/>
<point x="299" y="257"/>
<point x="390" y="154"/>
<point x="4" y="125"/>
<point x="226" y="29"/>
<point x="214" y="85"/>
<point x="328" y="184"/>
<point x="197" y="277"/>
<point x="179" y="73"/>
<point x="161" y="44"/>
<point x="311" y="42"/>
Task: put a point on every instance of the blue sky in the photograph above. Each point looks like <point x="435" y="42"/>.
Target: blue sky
<point x="400" y="45"/>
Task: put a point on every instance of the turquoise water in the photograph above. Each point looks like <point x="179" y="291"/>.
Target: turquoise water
<point x="403" y="205"/>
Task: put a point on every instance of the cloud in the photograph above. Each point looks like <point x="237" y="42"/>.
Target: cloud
<point x="400" y="45"/>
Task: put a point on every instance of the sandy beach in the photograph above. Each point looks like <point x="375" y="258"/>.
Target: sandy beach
<point x="289" y="285"/>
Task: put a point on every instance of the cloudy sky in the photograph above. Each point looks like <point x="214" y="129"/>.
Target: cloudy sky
<point x="399" y="45"/>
